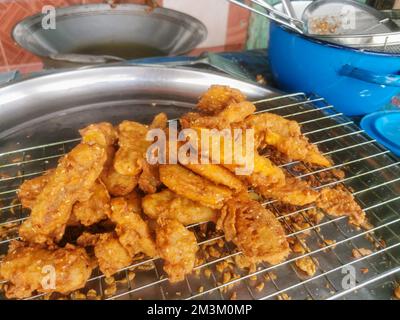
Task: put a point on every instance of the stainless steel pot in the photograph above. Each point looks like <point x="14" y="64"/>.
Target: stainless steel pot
<point x="388" y="42"/>
<point x="126" y="31"/>
<point x="53" y="107"/>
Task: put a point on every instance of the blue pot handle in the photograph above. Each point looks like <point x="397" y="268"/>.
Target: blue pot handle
<point x="392" y="80"/>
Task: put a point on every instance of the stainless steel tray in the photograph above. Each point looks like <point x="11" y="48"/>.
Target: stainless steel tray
<point x="39" y="122"/>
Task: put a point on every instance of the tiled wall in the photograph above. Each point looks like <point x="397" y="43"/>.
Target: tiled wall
<point x="227" y="26"/>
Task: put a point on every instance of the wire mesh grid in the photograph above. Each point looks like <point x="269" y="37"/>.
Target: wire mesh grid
<point x="324" y="252"/>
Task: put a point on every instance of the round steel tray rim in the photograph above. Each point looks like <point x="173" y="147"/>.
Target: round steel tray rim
<point x="27" y="99"/>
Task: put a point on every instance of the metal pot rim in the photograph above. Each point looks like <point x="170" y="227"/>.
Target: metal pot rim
<point x="322" y="41"/>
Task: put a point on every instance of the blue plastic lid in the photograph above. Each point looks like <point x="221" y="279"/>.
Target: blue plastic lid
<point x="384" y="127"/>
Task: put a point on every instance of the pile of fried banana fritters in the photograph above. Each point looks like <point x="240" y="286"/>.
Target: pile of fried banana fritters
<point x="106" y="179"/>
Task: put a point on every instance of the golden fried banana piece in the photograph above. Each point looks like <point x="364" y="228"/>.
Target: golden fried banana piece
<point x="187" y="184"/>
<point x="71" y="181"/>
<point x="169" y="205"/>
<point x="30" y="189"/>
<point x="133" y="232"/>
<point x="233" y="113"/>
<point x="102" y="134"/>
<point x="240" y="157"/>
<point x="87" y="239"/>
<point x="340" y="202"/>
<point x="118" y="184"/>
<point x="96" y="208"/>
<point x="264" y="172"/>
<point x="149" y="179"/>
<point x="178" y="247"/>
<point x="28" y="269"/>
<point x="111" y="254"/>
<point x="217" y="98"/>
<point x="293" y="191"/>
<point x="264" y="176"/>
<point x="217" y="174"/>
<point x="254" y="230"/>
<point x="285" y="135"/>
<point x="132" y="147"/>
<point x="159" y="122"/>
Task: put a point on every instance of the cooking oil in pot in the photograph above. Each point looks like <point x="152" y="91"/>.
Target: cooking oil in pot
<point x="122" y="50"/>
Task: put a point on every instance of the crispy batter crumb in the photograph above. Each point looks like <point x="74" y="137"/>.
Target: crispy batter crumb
<point x="362" y="252"/>
<point x="47" y="296"/>
<point x="283" y="296"/>
<point x="146" y="266"/>
<point x="227" y="277"/>
<point x="178" y="293"/>
<point x="307" y="265"/>
<point x="91" y="294"/>
<point x="111" y="290"/>
<point x="221" y="266"/>
<point x="298" y="248"/>
<point x="397" y="292"/>
<point x="201" y="289"/>
<point x="214" y="252"/>
<point x="235" y="276"/>
<point x="253" y="278"/>
<point x="364" y="270"/>
<point x="330" y="243"/>
<point x="260" y="286"/>
<point x="252" y="268"/>
<point x="234" y="296"/>
<point x="207" y="273"/>
<point x="77" y="295"/>
<point x="272" y="275"/>
<point x="109" y="280"/>
<point x="131" y="275"/>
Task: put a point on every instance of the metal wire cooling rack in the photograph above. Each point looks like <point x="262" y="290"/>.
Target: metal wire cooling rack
<point x="330" y="245"/>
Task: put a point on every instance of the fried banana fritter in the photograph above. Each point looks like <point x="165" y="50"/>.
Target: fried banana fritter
<point x="71" y="181"/>
<point x="132" y="147"/>
<point x="178" y="247"/>
<point x="111" y="254"/>
<point x="187" y="184"/>
<point x="133" y="232"/>
<point x="116" y="183"/>
<point x="285" y="135"/>
<point x="254" y="230"/>
<point x="28" y="269"/>
<point x="111" y="162"/>
<point x="30" y="189"/>
<point x="96" y="208"/>
<point x="217" y="98"/>
<point x="234" y="113"/>
<point x="149" y="179"/>
<point x="265" y="177"/>
<point x="340" y="202"/>
<point x="292" y="191"/>
<point x="167" y="204"/>
<point x="159" y="121"/>
<point x="217" y="174"/>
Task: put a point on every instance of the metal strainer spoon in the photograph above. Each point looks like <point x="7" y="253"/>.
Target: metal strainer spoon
<point x="344" y="17"/>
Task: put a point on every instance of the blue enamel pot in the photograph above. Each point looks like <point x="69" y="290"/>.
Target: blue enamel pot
<point x="356" y="82"/>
